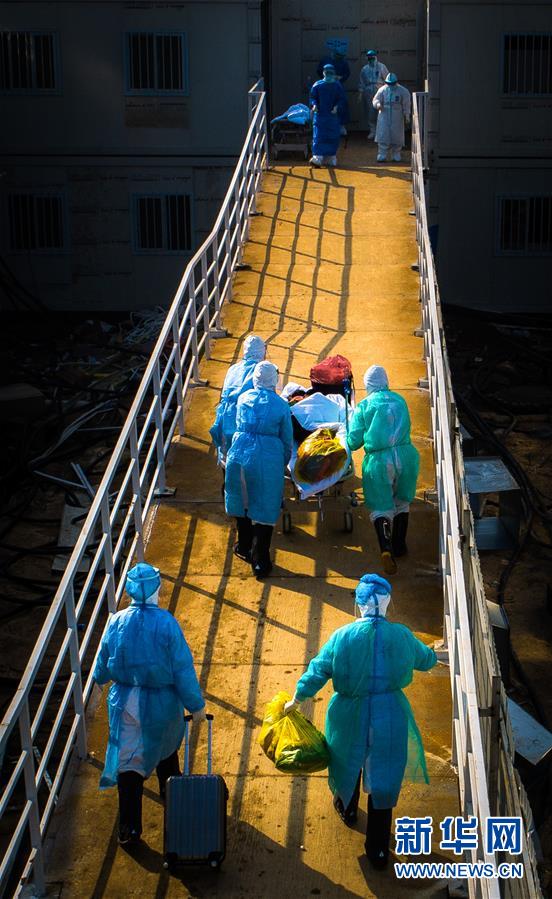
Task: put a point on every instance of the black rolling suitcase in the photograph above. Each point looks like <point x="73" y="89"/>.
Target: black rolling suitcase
<point x="195" y="812"/>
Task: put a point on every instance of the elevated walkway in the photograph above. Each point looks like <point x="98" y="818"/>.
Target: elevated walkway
<point x="330" y="272"/>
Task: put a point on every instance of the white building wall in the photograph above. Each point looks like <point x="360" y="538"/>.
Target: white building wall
<point x="484" y="145"/>
<point x="97" y="145"/>
<point x="299" y="29"/>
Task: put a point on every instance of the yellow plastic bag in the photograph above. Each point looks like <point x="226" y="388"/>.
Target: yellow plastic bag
<point x="291" y="741"/>
<point x="319" y="456"/>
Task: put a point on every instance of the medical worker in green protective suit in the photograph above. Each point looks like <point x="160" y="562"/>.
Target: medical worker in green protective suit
<point x="381" y="423"/>
<point x="144" y="653"/>
<point x="370" y="727"/>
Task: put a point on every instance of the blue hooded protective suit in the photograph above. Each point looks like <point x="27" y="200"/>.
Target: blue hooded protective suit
<point x="381" y="423"/>
<point x="369" y="722"/>
<point x="326" y="95"/>
<point x="144" y="647"/>
<point x="256" y="461"/>
<point x="239" y="378"/>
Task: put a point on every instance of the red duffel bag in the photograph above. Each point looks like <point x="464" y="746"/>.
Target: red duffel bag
<point x="328" y="376"/>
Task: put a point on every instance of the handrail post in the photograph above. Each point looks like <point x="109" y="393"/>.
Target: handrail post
<point x="108" y="554"/>
<point x="178" y="367"/>
<point x="159" y="441"/>
<point x="74" y="657"/>
<point x="137" y="491"/>
<point x="228" y="259"/>
<point x="205" y="302"/>
<point x="31" y="795"/>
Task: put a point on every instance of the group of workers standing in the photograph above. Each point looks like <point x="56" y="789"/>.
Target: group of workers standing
<point x="370" y="729"/>
<point x="386" y="105"/>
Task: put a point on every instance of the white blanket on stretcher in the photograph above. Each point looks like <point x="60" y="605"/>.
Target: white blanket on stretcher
<point x="320" y="411"/>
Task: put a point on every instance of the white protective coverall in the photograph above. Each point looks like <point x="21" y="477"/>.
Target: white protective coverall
<point x="372" y="76"/>
<point x="393" y="104"/>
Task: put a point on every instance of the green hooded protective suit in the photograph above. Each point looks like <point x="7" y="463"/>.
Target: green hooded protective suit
<point x="369" y="722"/>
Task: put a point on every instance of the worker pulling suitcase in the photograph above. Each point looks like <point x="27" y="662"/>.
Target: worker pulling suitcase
<point x="195" y="812"/>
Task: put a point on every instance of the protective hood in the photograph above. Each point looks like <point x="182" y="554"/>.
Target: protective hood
<point x="265" y="374"/>
<point x="254" y="348"/>
<point x="391" y="78"/>
<point x="142" y="582"/>
<point x="373" y="595"/>
<point x="375" y="378"/>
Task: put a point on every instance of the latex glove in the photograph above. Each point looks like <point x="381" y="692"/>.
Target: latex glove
<point x="199" y="716"/>
<point x="379" y="106"/>
<point x="291" y="705"/>
<point x="334" y="110"/>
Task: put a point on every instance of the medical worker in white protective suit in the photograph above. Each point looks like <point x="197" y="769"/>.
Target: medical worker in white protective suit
<point x="144" y="653"/>
<point x="392" y="101"/>
<point x="239" y="378"/>
<point x="370" y="728"/>
<point x="372" y="77"/>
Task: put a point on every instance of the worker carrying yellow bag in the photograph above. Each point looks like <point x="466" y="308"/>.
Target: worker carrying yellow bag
<point x="321" y="455"/>
<point x="291" y="741"/>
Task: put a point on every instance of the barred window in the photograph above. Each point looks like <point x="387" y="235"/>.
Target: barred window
<point x="157" y="63"/>
<point x="525" y="225"/>
<point x="28" y="61"/>
<point x="527" y="64"/>
<point x="36" y="222"/>
<point x="163" y="223"/>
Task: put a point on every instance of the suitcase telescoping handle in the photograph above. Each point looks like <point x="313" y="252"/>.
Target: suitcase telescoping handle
<point x="187" y="719"/>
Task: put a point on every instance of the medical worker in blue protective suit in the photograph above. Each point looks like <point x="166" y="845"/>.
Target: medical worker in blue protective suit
<point x="381" y="423"/>
<point x="328" y="102"/>
<point x="392" y="102"/>
<point x="255" y="466"/>
<point x="370" y="727"/>
<point x="342" y="72"/>
<point x="239" y="378"/>
<point x="144" y="653"/>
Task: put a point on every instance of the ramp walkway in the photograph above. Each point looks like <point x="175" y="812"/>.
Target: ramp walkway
<point x="330" y="260"/>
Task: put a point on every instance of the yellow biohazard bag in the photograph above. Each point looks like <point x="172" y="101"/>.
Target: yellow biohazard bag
<point x="319" y="457"/>
<point x="291" y="741"/>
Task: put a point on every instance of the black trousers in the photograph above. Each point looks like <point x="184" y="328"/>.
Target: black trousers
<point x="130" y="786"/>
<point x="378" y="825"/>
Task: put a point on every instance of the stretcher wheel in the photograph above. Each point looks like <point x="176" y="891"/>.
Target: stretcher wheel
<point x="348" y="522"/>
<point x="286" y="523"/>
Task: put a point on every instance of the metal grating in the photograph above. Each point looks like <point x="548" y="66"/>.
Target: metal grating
<point x="525" y="225"/>
<point x="27" y="61"/>
<point x="163" y="223"/>
<point x="35" y="222"/>
<point x="527" y="64"/>
<point x="156" y="62"/>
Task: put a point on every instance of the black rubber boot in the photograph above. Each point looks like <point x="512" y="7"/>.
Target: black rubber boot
<point x="378" y="834"/>
<point x="398" y="535"/>
<point x="383" y="530"/>
<point x="348" y="815"/>
<point x="260" y="554"/>
<point x="242" y="549"/>
<point x="130" y="785"/>
<point x="169" y="767"/>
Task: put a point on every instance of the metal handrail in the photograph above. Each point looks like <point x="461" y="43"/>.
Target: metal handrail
<point x="112" y="535"/>
<point x="483" y="747"/>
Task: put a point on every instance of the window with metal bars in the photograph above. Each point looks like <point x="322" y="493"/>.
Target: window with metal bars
<point x="36" y="222"/>
<point x="527" y="68"/>
<point x="28" y="61"/>
<point x="525" y="226"/>
<point x="163" y="223"/>
<point x="156" y="63"/>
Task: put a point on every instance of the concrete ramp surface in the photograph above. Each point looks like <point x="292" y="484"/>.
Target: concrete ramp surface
<point x="330" y="273"/>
